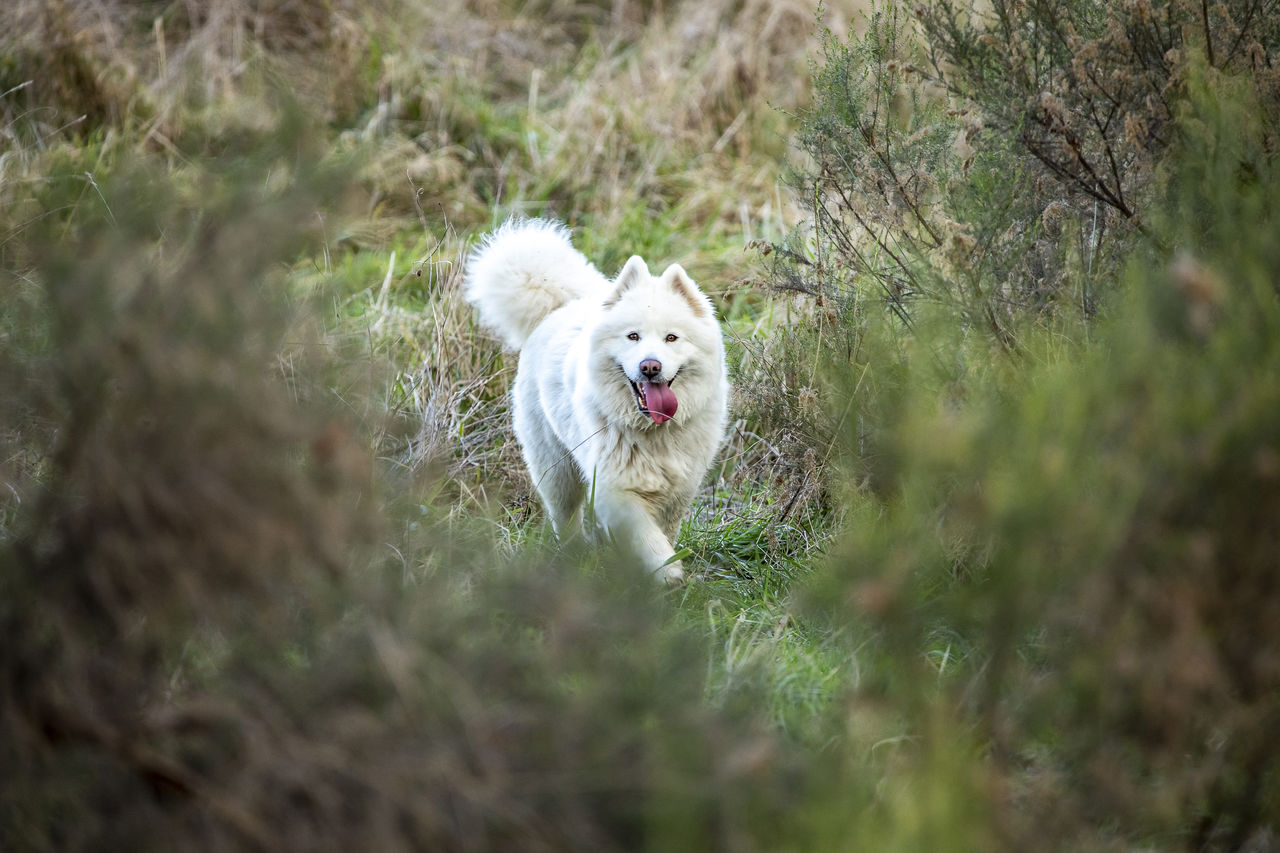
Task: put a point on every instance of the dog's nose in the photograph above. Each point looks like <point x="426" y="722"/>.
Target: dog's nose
<point x="650" y="367"/>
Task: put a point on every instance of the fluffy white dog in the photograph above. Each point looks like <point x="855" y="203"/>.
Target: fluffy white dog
<point x="621" y="386"/>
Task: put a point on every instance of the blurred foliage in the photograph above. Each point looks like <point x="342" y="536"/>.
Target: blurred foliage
<point x="1073" y="558"/>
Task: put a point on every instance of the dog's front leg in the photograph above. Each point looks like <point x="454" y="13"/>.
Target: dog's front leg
<point x="629" y="520"/>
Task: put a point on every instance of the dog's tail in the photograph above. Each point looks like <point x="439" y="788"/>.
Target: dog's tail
<point x="522" y="272"/>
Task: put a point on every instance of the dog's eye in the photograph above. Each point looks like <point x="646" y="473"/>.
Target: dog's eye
<point x="671" y="339"/>
<point x="633" y="336"/>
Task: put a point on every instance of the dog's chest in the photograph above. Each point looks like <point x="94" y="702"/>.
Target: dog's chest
<point x="654" y="465"/>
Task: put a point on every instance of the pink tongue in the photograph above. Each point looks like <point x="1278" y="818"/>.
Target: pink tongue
<point x="659" y="400"/>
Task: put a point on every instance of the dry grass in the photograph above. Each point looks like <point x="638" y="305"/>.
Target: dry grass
<point x="587" y="111"/>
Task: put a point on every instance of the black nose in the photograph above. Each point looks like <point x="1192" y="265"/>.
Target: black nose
<point x="650" y="367"/>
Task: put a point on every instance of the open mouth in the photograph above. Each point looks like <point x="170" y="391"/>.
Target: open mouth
<point x="655" y="399"/>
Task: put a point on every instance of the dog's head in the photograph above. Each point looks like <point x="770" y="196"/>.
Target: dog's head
<point x="657" y="342"/>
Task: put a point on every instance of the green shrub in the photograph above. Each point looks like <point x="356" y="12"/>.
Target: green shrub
<point x="1072" y="566"/>
<point x="1090" y="90"/>
<point x="988" y="168"/>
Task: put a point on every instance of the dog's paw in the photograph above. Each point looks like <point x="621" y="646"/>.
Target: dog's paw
<point x="672" y="574"/>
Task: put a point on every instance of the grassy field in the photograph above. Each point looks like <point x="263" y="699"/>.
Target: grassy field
<point x="986" y="562"/>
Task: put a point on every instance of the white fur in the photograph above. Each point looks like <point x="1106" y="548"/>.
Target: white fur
<point x="574" y="410"/>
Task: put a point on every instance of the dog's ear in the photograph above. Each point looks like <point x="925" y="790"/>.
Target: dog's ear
<point x="678" y="280"/>
<point x="633" y="272"/>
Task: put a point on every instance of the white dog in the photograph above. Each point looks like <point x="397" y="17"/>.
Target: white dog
<point x="621" y="386"/>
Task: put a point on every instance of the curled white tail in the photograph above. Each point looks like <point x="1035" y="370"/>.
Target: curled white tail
<point x="524" y="271"/>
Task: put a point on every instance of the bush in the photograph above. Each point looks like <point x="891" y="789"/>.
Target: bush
<point x="988" y="169"/>
<point x="1091" y="90"/>
<point x="1073" y="567"/>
